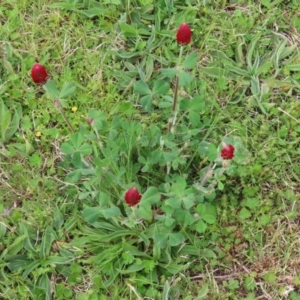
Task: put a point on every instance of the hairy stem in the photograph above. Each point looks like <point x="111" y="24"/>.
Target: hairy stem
<point x="65" y="118"/>
<point x="175" y="96"/>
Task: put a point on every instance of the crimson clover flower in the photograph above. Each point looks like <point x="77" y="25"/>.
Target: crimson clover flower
<point x="227" y="151"/>
<point x="39" y="73"/>
<point x="184" y="34"/>
<point x="132" y="196"/>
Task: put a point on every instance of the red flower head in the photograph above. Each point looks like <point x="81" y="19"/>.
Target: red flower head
<point x="39" y="74"/>
<point x="133" y="196"/>
<point x="184" y="34"/>
<point x="227" y="152"/>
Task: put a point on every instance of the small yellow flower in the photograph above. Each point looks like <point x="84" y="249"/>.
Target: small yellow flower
<point x="74" y="108"/>
<point x="38" y="134"/>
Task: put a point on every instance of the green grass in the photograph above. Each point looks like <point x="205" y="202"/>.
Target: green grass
<point x="66" y="233"/>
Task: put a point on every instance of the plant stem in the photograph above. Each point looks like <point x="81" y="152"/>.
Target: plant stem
<point x="208" y="174"/>
<point x="65" y="118"/>
<point x="98" y="137"/>
<point x="174" y="106"/>
<point x="175" y="96"/>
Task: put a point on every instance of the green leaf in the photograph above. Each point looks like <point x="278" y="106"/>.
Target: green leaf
<point x="77" y="139"/>
<point x="58" y="219"/>
<point x="5" y="119"/>
<point x="214" y="72"/>
<point x="51" y="89"/>
<point x="189" y="219"/>
<point x="27" y="242"/>
<point x="68" y="90"/>
<point x="145" y="211"/>
<point x="237" y="70"/>
<point x="161" y="239"/>
<point x="197" y="104"/>
<point x="74" y="176"/>
<point x="169" y="73"/>
<point x="266" y="3"/>
<point x="212" y="152"/>
<point x="85" y="149"/>
<point x="7" y="65"/>
<point x="35" y="160"/>
<point x="149" y="66"/>
<point x="93" y="12"/>
<point x="173" y="202"/>
<point x="48" y="238"/>
<point x="203" y="292"/>
<point x="76" y="160"/>
<point x="151" y="195"/>
<point x="252" y="203"/>
<point x="185" y="78"/>
<point x="201" y="209"/>
<point x="70" y="223"/>
<point x="66" y="148"/>
<point x="141" y="88"/>
<point x="188" y="201"/>
<point x="210" y="219"/>
<point x="17" y="245"/>
<point x="169" y="156"/>
<point x="201" y="226"/>
<point x="103" y="198"/>
<point x="128" y="30"/>
<point x="156" y="252"/>
<point x="254" y="69"/>
<point x="14" y="125"/>
<point x="220" y="185"/>
<point x="239" y="55"/>
<point x="89" y="171"/>
<point x="287" y="51"/>
<point x="173" y="267"/>
<point x="270" y="277"/>
<point x="190" y="61"/>
<point x="66" y="5"/>
<point x="146" y="102"/>
<point x="127" y="55"/>
<point x="255" y="86"/>
<point x="161" y="87"/>
<point x="176" y="239"/>
<point x="294" y="67"/>
<point x="127" y="257"/>
<point x="17" y="262"/>
<point x="264" y="220"/>
<point x="208" y="149"/>
<point x="251" y="49"/>
<point x="44" y="284"/>
<point x="30" y="268"/>
<point x="5" y="123"/>
<point x="194" y="118"/>
<point x="166" y="291"/>
<point x="3" y="110"/>
<point x="149" y="265"/>
<point x="92" y="214"/>
<point x="249" y="283"/>
<point x="179" y="186"/>
<point x="111" y="212"/>
<point x="276" y="57"/>
<point x="169" y="222"/>
<point x="165" y="104"/>
<point x="133" y="268"/>
<point x="244" y="214"/>
<point x="59" y="260"/>
<point x="2" y="230"/>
